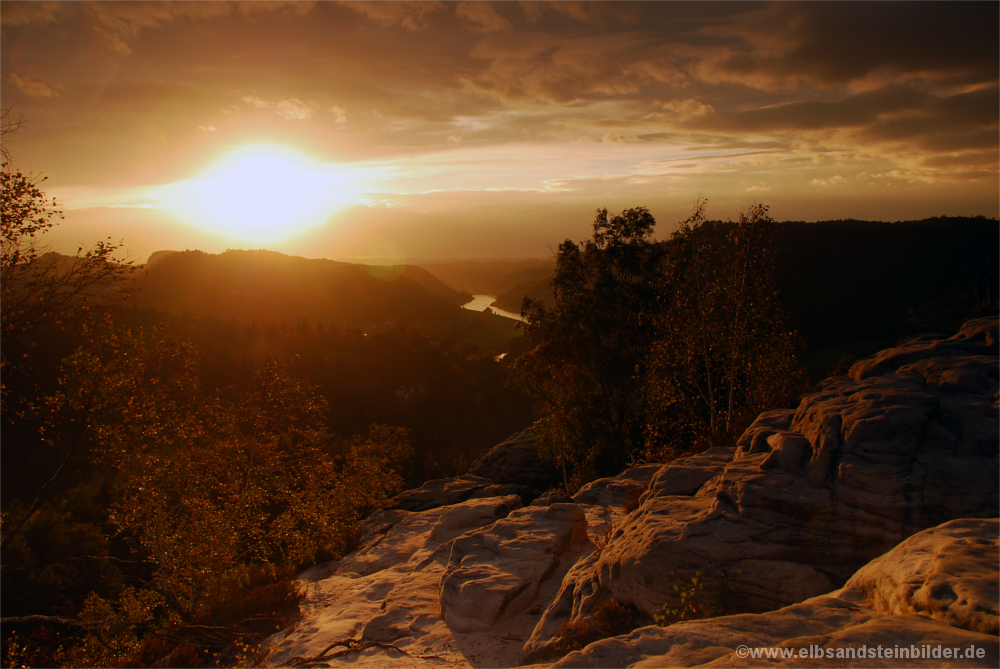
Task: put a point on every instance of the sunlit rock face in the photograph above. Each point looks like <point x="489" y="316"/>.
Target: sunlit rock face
<point x="907" y="441"/>
<point x="948" y="573"/>
<point x="937" y="588"/>
<point x="496" y="572"/>
<point x="807" y="502"/>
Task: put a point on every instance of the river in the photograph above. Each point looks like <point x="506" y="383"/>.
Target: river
<point x="481" y="302"/>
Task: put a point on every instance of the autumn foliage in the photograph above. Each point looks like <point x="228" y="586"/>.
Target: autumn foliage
<point x="165" y="524"/>
<point x="656" y="348"/>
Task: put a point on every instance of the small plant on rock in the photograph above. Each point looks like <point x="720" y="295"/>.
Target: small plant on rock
<point x="701" y="597"/>
<point x="610" y="616"/>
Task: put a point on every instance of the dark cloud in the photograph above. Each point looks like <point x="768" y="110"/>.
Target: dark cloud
<point x="840" y="42"/>
<point x="535" y="66"/>
<point x="415" y="15"/>
<point x="116" y="88"/>
<point x="852" y="111"/>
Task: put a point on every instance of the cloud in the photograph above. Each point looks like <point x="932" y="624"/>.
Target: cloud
<point x="339" y="115"/>
<point x="677" y="111"/>
<point x="22" y="13"/>
<point x="29" y="86"/>
<point x="615" y="138"/>
<point x="207" y="128"/>
<point x="835" y="179"/>
<point x="293" y="109"/>
<point x="853" y="110"/>
<point x="835" y="43"/>
<point x="255" y="101"/>
<point x="482" y="16"/>
<point x="413" y="16"/>
<point x="591" y="13"/>
<point x="751" y="189"/>
<point x="118" y="24"/>
<point x="542" y="67"/>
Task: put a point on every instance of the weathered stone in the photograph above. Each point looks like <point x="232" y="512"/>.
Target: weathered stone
<point x="821" y="624"/>
<point x="517" y="461"/>
<point x="442" y="492"/>
<point x="496" y="572"/>
<point x="686" y="476"/>
<point x="976" y="337"/>
<point x="387" y="591"/>
<point x="948" y="573"/>
<point x="811" y="494"/>
<point x="620" y="490"/>
<point x="552" y="497"/>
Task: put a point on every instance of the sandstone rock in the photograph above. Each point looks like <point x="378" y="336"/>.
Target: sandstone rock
<point x="496" y="572"/>
<point x="812" y="494"/>
<point x="416" y="531"/>
<point x="516" y="461"/>
<point x="552" y="497"/>
<point x="826" y="623"/>
<point x="442" y="492"/>
<point x="577" y="591"/>
<point x="977" y="337"/>
<point x="388" y="590"/>
<point x="620" y="490"/>
<point x="686" y="476"/>
<point x="948" y="573"/>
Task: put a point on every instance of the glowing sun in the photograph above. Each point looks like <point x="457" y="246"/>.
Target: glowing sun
<point x="260" y="193"/>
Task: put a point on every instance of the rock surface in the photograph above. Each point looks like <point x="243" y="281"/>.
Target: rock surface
<point x="462" y="573"/>
<point x="876" y="609"/>
<point x="947" y="573"/>
<point x="497" y="571"/>
<point x="908" y="441"/>
<point x="442" y="492"/>
<point x="516" y="461"/>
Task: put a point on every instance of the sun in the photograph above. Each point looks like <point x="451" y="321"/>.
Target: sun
<point x="260" y="194"/>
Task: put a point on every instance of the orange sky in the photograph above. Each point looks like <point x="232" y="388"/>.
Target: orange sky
<point x="440" y="130"/>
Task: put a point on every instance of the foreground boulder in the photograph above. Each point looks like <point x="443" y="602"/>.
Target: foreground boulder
<point x="496" y="572"/>
<point x="947" y="573"/>
<point x="879" y="611"/>
<point x="907" y="441"/>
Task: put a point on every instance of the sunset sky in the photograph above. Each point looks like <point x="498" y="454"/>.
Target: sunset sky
<point x="435" y="130"/>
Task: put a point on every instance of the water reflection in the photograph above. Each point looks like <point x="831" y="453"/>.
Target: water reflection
<point x="482" y="302"/>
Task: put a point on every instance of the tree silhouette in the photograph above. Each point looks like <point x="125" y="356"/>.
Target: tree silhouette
<point x="587" y="361"/>
<point x="723" y="354"/>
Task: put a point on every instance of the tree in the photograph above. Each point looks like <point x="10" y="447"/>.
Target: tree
<point x="723" y="354"/>
<point x="587" y="361"/>
<point x="38" y="288"/>
<point x="218" y="498"/>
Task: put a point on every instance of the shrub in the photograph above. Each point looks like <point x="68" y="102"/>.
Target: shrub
<point x="701" y="597"/>
<point x="610" y="617"/>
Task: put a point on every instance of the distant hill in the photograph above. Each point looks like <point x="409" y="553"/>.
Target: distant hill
<point x="490" y="277"/>
<point x="265" y="287"/>
<point x="537" y="289"/>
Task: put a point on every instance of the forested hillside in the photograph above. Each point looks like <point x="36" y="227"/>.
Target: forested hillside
<point x="267" y="287"/>
<point x="852" y="287"/>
